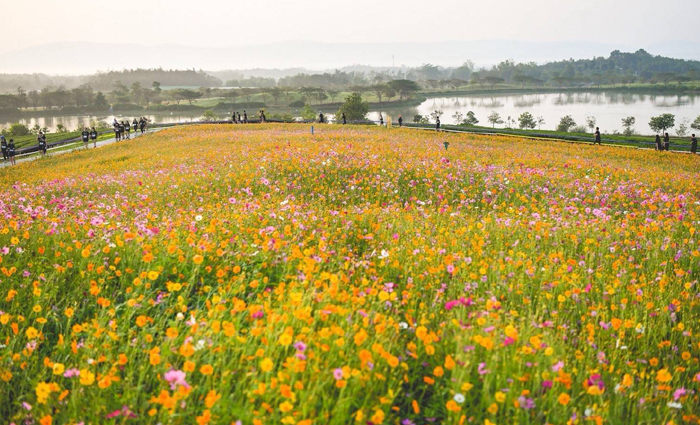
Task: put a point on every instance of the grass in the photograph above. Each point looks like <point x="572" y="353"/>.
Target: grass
<point x="215" y="274"/>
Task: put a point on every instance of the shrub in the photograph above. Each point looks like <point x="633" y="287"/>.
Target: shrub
<point x="297" y="104"/>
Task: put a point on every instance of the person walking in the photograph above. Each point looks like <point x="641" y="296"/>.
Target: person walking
<point x="321" y="118"/>
<point x="122" y="130"/>
<point x="233" y="119"/>
<point x="11" y="152"/>
<point x="86" y="137"/>
<point x="667" y="141"/>
<point x="658" y="143"/>
<point x="143" y="123"/>
<point x="117" y="136"/>
<point x="437" y="124"/>
<point x="381" y="119"/>
<point x="400" y="121"/>
<point x="3" y="145"/>
<point x="127" y="128"/>
<point x="93" y="136"/>
<point x="245" y="117"/>
<point x="597" y="137"/>
<point x="345" y="121"/>
<point x="135" y="126"/>
<point x="41" y="141"/>
<point x="693" y="144"/>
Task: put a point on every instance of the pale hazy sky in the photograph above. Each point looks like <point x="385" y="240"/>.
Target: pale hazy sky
<point x="221" y="23"/>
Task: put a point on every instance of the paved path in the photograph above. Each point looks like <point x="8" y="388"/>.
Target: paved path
<point x="58" y="150"/>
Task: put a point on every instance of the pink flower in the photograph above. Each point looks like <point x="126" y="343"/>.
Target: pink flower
<point x="175" y="378"/>
<point x="338" y="374"/>
<point x="70" y="373"/>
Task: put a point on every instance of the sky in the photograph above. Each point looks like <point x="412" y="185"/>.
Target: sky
<point x="225" y="23"/>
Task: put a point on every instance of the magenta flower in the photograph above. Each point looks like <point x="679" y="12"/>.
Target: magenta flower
<point x="338" y="374"/>
<point x="175" y="378"/>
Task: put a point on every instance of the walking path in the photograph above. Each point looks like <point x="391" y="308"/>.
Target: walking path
<point x="58" y="150"/>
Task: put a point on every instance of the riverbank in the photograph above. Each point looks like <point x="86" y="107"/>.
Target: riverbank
<point x="512" y="90"/>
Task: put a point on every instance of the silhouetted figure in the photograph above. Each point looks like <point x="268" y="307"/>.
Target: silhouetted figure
<point x="127" y="129"/>
<point x="245" y="117"/>
<point x="143" y="124"/>
<point x="263" y="118"/>
<point x="41" y="140"/>
<point x="93" y="136"/>
<point x="400" y="121"/>
<point x="667" y="141"/>
<point x="381" y="119"/>
<point x="321" y="118"/>
<point x="693" y="144"/>
<point x="234" y="119"/>
<point x="239" y="118"/>
<point x="11" y="151"/>
<point x="3" y="145"/>
<point x="597" y="136"/>
<point x="345" y="121"/>
<point x="135" y="126"/>
<point x="117" y="133"/>
<point x="86" y="137"/>
<point x="658" y="143"/>
<point x="437" y="124"/>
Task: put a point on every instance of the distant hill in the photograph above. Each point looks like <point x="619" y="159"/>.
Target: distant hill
<point x="87" y="58"/>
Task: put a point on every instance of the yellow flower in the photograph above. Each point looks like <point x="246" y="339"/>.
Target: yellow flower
<point x="286" y="407"/>
<point x="266" y="364"/>
<point x="206" y="369"/>
<point x="58" y="369"/>
<point x="86" y="377"/>
<point x="31" y="332"/>
<point x="493" y="408"/>
<point x="285" y="339"/>
<point x="197" y="259"/>
<point x="500" y="397"/>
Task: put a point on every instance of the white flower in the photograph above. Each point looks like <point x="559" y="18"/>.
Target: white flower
<point x="180" y="316"/>
<point x="198" y="218"/>
<point x="199" y="345"/>
<point x="403" y="325"/>
<point x="674" y="405"/>
<point x="639" y="329"/>
<point x="459" y="398"/>
<point x="384" y="254"/>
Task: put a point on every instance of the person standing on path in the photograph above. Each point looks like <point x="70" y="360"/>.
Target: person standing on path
<point x="93" y="136"/>
<point x="245" y="117"/>
<point x="345" y="121"/>
<point x="86" y="137"/>
<point x="117" y="135"/>
<point x="233" y="119"/>
<point x="135" y="126"/>
<point x="3" y="145"/>
<point x="143" y="125"/>
<point x="667" y="141"/>
<point x="127" y="128"/>
<point x="658" y="143"/>
<point x="693" y="144"/>
<point x="400" y="121"/>
<point x="321" y="119"/>
<point x="11" y="152"/>
<point x="41" y="140"/>
<point x="437" y="124"/>
<point x="381" y="119"/>
<point x="597" y="137"/>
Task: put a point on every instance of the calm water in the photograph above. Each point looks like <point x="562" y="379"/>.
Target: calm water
<point x="608" y="109"/>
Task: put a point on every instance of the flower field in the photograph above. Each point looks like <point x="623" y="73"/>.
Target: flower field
<point x="265" y="275"/>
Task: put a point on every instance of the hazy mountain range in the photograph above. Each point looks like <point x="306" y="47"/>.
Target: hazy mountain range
<point x="86" y="58"/>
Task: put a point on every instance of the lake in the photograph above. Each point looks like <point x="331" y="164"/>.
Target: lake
<point x="608" y="109"/>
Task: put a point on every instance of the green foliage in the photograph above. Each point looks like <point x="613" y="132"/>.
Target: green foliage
<point x="495" y="118"/>
<point x="405" y="88"/>
<point x="527" y="121"/>
<point x="297" y="104"/>
<point x="628" y="124"/>
<point x="696" y="124"/>
<point x="308" y="113"/>
<point x="566" y="123"/>
<point x="16" y="130"/>
<point x="470" y="119"/>
<point x="662" y="123"/>
<point x="209" y="116"/>
<point x="355" y="108"/>
<point x="421" y="119"/>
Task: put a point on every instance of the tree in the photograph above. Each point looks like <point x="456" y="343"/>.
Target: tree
<point x="682" y="129"/>
<point x="522" y="79"/>
<point x="405" y="88"/>
<point x="627" y="124"/>
<point x="354" y="108"/>
<point x="458" y="118"/>
<point x="566" y="123"/>
<point x="308" y="113"/>
<point x="493" y="80"/>
<point x="421" y="119"/>
<point x="379" y="90"/>
<point x="527" y="121"/>
<point x="209" y="116"/>
<point x="662" y="123"/>
<point x="470" y="119"/>
<point x="590" y="122"/>
<point x="696" y="124"/>
<point x="540" y="122"/>
<point x="156" y="87"/>
<point x="332" y="94"/>
<point x="435" y="115"/>
<point x="495" y="118"/>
